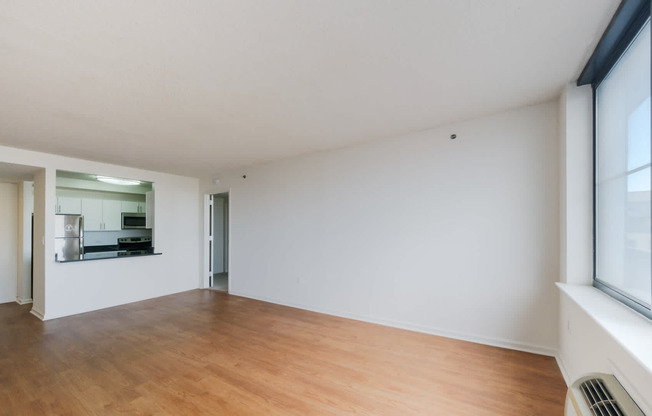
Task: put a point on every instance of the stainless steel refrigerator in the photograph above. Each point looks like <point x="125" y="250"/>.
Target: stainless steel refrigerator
<point x="68" y="237"/>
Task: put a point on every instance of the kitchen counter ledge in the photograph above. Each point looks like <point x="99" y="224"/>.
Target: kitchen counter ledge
<point x="108" y="255"/>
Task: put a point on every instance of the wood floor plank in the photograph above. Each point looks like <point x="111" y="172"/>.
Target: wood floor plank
<point x="207" y="352"/>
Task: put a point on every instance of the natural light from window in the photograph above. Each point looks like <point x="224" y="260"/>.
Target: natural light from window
<point x="623" y="174"/>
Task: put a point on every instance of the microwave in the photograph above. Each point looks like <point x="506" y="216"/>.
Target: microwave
<point x="131" y="220"/>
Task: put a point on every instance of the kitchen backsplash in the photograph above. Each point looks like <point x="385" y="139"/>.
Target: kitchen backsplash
<point x="107" y="238"/>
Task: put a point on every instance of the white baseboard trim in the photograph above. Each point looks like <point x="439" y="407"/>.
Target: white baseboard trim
<point x="58" y="314"/>
<point x="38" y="314"/>
<point x="494" y="342"/>
<point x="22" y="301"/>
<point x="562" y="368"/>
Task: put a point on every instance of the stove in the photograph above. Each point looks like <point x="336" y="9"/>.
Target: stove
<point x="133" y="253"/>
<point x="133" y="244"/>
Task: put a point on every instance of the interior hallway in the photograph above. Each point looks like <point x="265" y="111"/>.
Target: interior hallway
<point x="221" y="282"/>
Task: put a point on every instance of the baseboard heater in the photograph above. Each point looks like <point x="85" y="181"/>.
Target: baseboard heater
<point x="599" y="395"/>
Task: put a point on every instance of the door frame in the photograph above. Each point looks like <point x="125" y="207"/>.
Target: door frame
<point x="209" y="218"/>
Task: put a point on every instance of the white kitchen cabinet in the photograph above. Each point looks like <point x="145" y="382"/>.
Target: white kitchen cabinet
<point x="68" y="205"/>
<point x="92" y="212"/>
<point x="112" y="215"/>
<point x="102" y="215"/>
<point x="129" y="206"/>
<point x="133" y="206"/>
<point x="149" y="210"/>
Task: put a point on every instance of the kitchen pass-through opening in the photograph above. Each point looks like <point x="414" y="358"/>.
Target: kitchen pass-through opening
<point x="220" y="242"/>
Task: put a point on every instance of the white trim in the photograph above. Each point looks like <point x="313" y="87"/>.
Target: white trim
<point x="22" y="301"/>
<point x="38" y="314"/>
<point x="206" y="268"/>
<point x="562" y="368"/>
<point x="495" y="342"/>
<point x="631" y="388"/>
<point x="228" y="243"/>
<point x="628" y="328"/>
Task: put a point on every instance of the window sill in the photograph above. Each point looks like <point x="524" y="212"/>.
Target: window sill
<point x="630" y="329"/>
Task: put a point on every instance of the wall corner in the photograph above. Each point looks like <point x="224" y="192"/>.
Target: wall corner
<point x="576" y="184"/>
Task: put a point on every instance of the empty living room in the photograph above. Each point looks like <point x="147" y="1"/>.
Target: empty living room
<point x="326" y="208"/>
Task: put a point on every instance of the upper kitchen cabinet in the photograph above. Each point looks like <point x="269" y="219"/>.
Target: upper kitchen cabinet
<point x="92" y="212"/>
<point x="101" y="214"/>
<point x="134" y="206"/>
<point x="101" y="200"/>
<point x="149" y="205"/>
<point x="112" y="214"/>
<point x="68" y="205"/>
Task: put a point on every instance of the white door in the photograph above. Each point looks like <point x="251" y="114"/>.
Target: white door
<point x="210" y="241"/>
<point x="225" y="236"/>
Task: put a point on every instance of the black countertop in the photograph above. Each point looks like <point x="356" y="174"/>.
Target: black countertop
<point x="112" y="254"/>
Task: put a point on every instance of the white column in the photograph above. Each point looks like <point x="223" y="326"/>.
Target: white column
<point x="576" y="176"/>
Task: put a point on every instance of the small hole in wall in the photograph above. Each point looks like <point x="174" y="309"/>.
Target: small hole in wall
<point x="453" y="136"/>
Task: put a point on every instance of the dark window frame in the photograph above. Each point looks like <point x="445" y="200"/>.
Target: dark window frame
<point x="627" y="22"/>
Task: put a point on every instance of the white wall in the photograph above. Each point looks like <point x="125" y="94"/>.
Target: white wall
<point x="456" y="237"/>
<point x="586" y="344"/>
<point x="62" y="289"/>
<point x="41" y="211"/>
<point x="586" y="347"/>
<point x="24" y="258"/>
<point x="8" y="241"/>
<point x="576" y="196"/>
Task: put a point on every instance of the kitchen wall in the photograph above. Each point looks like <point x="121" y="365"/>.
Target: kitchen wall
<point x="108" y="238"/>
<point x="453" y="237"/>
<point x="8" y="241"/>
<point x="70" y="288"/>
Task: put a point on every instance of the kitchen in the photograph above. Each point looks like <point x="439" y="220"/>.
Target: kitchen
<point x="100" y="217"/>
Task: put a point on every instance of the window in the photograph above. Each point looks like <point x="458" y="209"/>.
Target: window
<point x="620" y="76"/>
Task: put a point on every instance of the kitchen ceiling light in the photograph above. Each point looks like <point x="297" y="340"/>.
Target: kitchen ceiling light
<point x="117" y="181"/>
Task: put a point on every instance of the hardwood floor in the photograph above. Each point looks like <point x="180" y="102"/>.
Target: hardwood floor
<point x="207" y="352"/>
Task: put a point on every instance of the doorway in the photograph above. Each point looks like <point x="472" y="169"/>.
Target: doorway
<point x="220" y="242"/>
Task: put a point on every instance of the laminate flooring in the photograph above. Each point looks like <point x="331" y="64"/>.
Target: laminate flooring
<point x="206" y="352"/>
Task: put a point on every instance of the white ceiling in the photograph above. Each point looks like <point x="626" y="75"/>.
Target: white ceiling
<point x="198" y="87"/>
